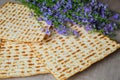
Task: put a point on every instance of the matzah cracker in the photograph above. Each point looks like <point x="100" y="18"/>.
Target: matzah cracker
<point x="65" y="56"/>
<point x="16" y="23"/>
<point x="18" y="60"/>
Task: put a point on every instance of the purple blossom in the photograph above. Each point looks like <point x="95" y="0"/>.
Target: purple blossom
<point x="69" y="4"/>
<point x="84" y="20"/>
<point x="91" y="20"/>
<point x="116" y="16"/>
<point x="57" y="5"/>
<point x="75" y="33"/>
<point x="108" y="28"/>
<point x="44" y="3"/>
<point x="74" y="23"/>
<point x="103" y="13"/>
<point x="64" y="10"/>
<point x="87" y="9"/>
<point x="93" y="1"/>
<point x="88" y="27"/>
<point x="62" y="27"/>
<point x="63" y="32"/>
<point x="27" y="1"/>
<point x="69" y="1"/>
<point x="34" y="2"/>
<point x="39" y="19"/>
<point x="48" y="32"/>
<point x="39" y="5"/>
<point x="49" y="22"/>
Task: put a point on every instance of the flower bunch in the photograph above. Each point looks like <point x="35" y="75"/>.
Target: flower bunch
<point x="91" y="13"/>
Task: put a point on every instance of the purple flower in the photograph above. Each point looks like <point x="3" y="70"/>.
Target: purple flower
<point x="93" y="1"/>
<point x="85" y="20"/>
<point x="88" y="27"/>
<point x="49" y="22"/>
<point x="116" y="16"/>
<point x="39" y="19"/>
<point x="75" y="33"/>
<point x="27" y="1"/>
<point x="108" y="28"/>
<point x="87" y="9"/>
<point x="39" y="5"/>
<point x="63" y="32"/>
<point x="57" y="5"/>
<point x="44" y="3"/>
<point x="62" y="27"/>
<point x="91" y="20"/>
<point x="74" y="23"/>
<point x="48" y="32"/>
<point x="34" y="2"/>
<point x="105" y="6"/>
<point x="69" y="4"/>
<point x="64" y="10"/>
<point x="69" y="1"/>
<point x="102" y="11"/>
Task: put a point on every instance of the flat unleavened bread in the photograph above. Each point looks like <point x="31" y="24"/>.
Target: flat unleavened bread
<point x="18" y="60"/>
<point x="16" y="23"/>
<point x="65" y="56"/>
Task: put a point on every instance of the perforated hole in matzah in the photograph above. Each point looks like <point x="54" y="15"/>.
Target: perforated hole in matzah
<point x="17" y="24"/>
<point x="18" y="60"/>
<point x="66" y="55"/>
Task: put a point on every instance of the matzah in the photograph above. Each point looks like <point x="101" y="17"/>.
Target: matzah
<point x="17" y="24"/>
<point x="65" y="56"/>
<point x="18" y="60"/>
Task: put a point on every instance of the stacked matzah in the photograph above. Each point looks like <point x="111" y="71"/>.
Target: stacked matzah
<point x="19" y="60"/>
<point x="63" y="56"/>
<point x="17" y="24"/>
<point x="66" y="55"/>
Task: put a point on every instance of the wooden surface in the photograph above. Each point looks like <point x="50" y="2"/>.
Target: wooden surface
<point x="107" y="69"/>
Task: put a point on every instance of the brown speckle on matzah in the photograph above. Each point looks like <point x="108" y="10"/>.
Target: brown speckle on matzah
<point x="65" y="56"/>
<point x="19" y="60"/>
<point x="17" y="24"/>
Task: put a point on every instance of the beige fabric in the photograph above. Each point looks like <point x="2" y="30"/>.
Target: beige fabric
<point x="65" y="56"/>
<point x="17" y="24"/>
<point x="18" y="60"/>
